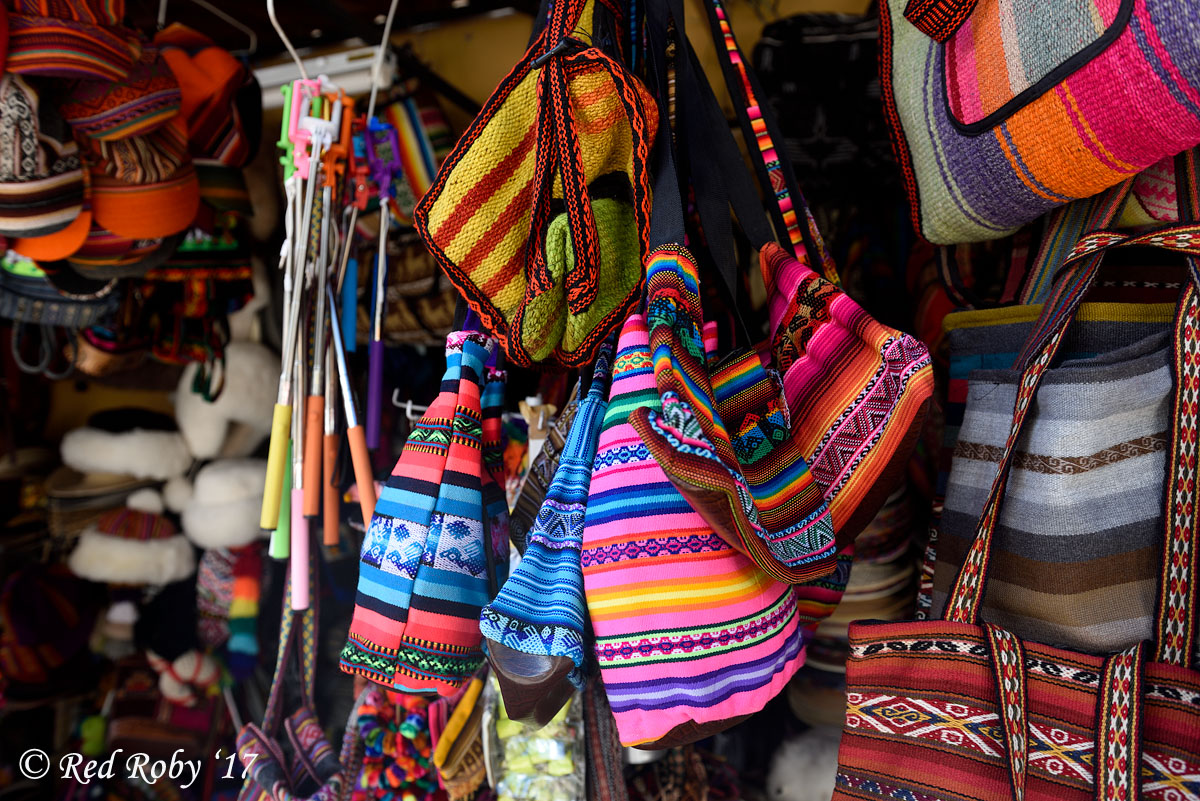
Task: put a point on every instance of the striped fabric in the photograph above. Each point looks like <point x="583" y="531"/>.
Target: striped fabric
<point x="690" y="635"/>
<point x="541" y="609"/>
<point x="397" y="536"/>
<point x="690" y="441"/>
<point x="1031" y="105"/>
<point x="1077" y="546"/>
<point x="957" y="709"/>
<point x="64" y="48"/>
<point x="857" y="390"/>
<point x="144" y="101"/>
<point x="542" y="141"/>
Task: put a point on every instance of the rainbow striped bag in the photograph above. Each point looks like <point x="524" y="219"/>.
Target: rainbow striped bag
<point x="691" y="636"/>
<point x="1001" y="110"/>
<point x="540" y="214"/>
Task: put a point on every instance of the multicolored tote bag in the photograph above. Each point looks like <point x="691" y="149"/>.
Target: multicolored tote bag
<point x="857" y="391"/>
<point x="962" y="708"/>
<point x="426" y="569"/>
<point x="289" y="758"/>
<point x="535" y="630"/>
<point x="540" y="214"/>
<point x="1001" y="111"/>
<point x="691" y="636"/>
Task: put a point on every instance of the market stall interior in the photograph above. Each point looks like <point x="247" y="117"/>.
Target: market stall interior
<point x="599" y="400"/>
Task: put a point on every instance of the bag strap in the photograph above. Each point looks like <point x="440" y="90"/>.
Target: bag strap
<point x="938" y="19"/>
<point x="1065" y="226"/>
<point x="793" y="220"/>
<point x="297" y="634"/>
<point x="1175" y="622"/>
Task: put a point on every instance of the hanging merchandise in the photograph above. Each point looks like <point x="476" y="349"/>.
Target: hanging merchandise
<point x="691" y="637"/>
<point x="550" y="262"/>
<point x="534" y="630"/>
<point x="541" y="472"/>
<point x="397" y="752"/>
<point x="288" y="757"/>
<point x="999" y="118"/>
<point x="431" y="559"/>
<point x="1045" y="721"/>
<point x="857" y="391"/>
<point x="532" y="763"/>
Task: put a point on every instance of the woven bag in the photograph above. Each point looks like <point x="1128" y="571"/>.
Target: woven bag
<point x="289" y="758"/>
<point x="957" y="707"/>
<point x="426" y="567"/>
<point x="535" y="629"/>
<point x="691" y="637"/>
<point x="540" y="213"/>
<point x="1001" y="111"/>
<point x="857" y="391"/>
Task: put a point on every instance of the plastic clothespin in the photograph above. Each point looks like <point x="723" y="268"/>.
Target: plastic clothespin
<point x="284" y="143"/>
<point x="336" y="156"/>
<point x="383" y="155"/>
<point x="301" y="122"/>
<point x="359" y="169"/>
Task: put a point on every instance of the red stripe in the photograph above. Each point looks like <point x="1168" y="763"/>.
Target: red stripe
<point x="483" y="191"/>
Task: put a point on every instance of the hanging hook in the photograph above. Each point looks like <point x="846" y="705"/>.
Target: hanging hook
<point x="162" y="14"/>
<point x="283" y="37"/>
<point x="378" y="63"/>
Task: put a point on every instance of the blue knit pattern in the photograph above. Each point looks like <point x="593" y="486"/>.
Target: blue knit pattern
<point x="541" y="608"/>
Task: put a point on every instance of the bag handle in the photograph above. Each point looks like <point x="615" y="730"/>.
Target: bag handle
<point x="667" y="225"/>
<point x="790" y="213"/>
<point x="1174" y="629"/>
<point x="938" y="19"/>
<point x="297" y="635"/>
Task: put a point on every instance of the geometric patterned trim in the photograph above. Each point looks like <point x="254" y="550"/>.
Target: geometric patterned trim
<point x="938" y="19"/>
<point x="1119" y="729"/>
<point x="1008" y="664"/>
<point x="1175" y="629"/>
<point x="1065" y="465"/>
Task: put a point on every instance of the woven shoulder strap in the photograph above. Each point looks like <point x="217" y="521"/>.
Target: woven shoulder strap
<point x="793" y="221"/>
<point x="297" y="635"/>
<point x="938" y="19"/>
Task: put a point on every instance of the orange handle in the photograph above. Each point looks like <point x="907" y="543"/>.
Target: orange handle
<point x="314" y="414"/>
<point x="330" y="501"/>
<point x="363" y="476"/>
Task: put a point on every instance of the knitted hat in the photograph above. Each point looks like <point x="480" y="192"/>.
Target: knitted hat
<point x="71" y="39"/>
<point x="143" y="102"/>
<point x="145" y="187"/>
<point x="129" y="547"/>
<point x="58" y="245"/>
<point x="46" y="617"/>
<point x="105" y="255"/>
<point x="212" y="82"/>
<point x="41" y="180"/>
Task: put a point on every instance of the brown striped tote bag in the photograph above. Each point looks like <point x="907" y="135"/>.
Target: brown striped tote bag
<point x="958" y="708"/>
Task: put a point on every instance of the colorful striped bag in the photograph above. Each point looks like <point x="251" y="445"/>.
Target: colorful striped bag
<point x="857" y="391"/>
<point x="540" y="214"/>
<point x="961" y="708"/>
<point x="691" y="637"/>
<point x="427" y="566"/>
<point x="535" y="630"/>
<point x="1001" y="110"/>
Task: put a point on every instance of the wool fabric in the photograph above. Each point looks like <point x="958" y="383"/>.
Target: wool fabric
<point x="397" y="534"/>
<point x="691" y="443"/>
<point x="541" y="609"/>
<point x="690" y="635"/>
<point x="1027" y="107"/>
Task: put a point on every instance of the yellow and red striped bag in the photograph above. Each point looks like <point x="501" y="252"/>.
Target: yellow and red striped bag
<point x="565" y="138"/>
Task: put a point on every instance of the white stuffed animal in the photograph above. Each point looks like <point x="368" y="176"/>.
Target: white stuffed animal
<point x="185" y="680"/>
<point x="805" y="766"/>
